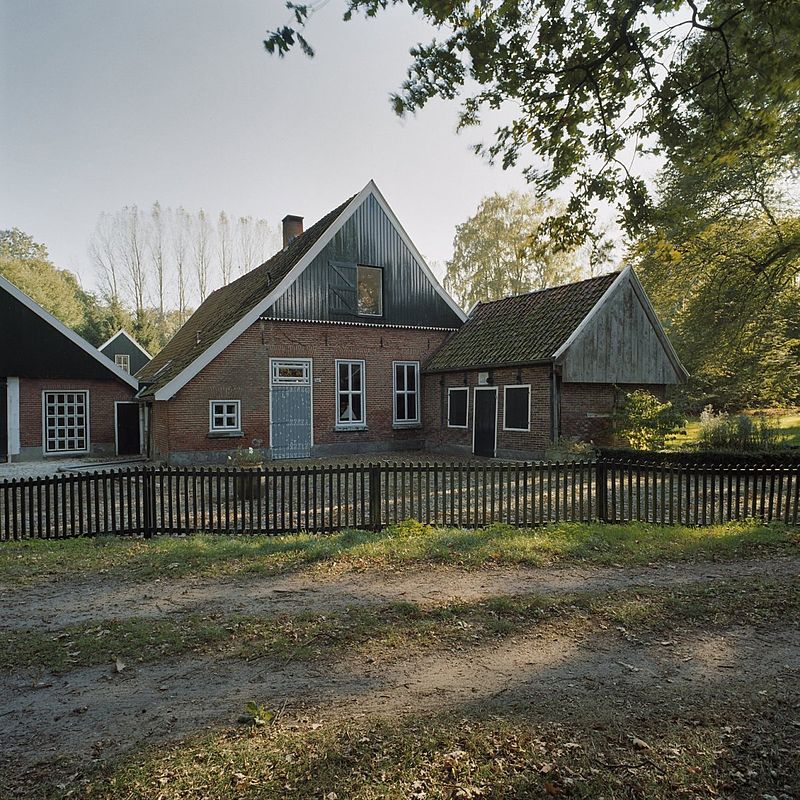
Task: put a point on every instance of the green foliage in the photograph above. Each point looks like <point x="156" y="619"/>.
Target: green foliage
<point x="257" y="714"/>
<point x="501" y="250"/>
<point x="592" y="85"/>
<point x="644" y="421"/>
<point x="737" y="432"/>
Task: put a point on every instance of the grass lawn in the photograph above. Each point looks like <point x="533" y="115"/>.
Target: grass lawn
<point x="789" y="424"/>
<point x="406" y="544"/>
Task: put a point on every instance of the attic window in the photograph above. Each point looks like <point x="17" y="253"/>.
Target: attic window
<point x="370" y="291"/>
<point x="123" y="360"/>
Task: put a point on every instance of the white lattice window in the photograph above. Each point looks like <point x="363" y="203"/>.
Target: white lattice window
<point x="66" y="422"/>
<point x="224" y="416"/>
<point x="350" y="394"/>
<point x="123" y="360"/>
<point x="406" y="392"/>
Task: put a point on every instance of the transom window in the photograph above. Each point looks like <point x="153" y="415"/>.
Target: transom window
<point x="224" y="416"/>
<point x="369" y="291"/>
<point x="350" y="394"/>
<point x="406" y="392"/>
<point x="457" y="403"/>
<point x="66" y="422"/>
<point x="123" y="360"/>
<point x="517" y="404"/>
<point x="291" y="372"/>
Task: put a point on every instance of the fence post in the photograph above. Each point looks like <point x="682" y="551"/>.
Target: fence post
<point x="601" y="489"/>
<point x="375" y="497"/>
<point x="147" y="503"/>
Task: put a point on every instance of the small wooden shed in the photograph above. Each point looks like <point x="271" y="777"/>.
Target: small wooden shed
<point x="527" y="371"/>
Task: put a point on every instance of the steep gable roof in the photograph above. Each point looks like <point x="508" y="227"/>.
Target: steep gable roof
<point x="522" y="329"/>
<point x="229" y="311"/>
<point x="226" y="306"/>
<point x="125" y="335"/>
<point x="65" y="356"/>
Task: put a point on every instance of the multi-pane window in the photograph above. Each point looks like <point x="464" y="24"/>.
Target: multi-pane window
<point x="369" y="291"/>
<point x="291" y="372"/>
<point x="406" y="391"/>
<point x="457" y="403"/>
<point x="350" y="394"/>
<point x="123" y="360"/>
<point x="224" y="416"/>
<point x="517" y="404"/>
<point x="66" y="422"/>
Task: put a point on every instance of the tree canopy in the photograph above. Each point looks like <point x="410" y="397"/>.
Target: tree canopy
<point x="497" y="252"/>
<point x="593" y="84"/>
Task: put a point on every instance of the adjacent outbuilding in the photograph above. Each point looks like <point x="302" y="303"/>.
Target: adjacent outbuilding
<point x="125" y="352"/>
<point x="527" y="371"/>
<point x="59" y="396"/>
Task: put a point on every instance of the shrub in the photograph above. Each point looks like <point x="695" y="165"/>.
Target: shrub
<point x="645" y="422"/>
<point x="740" y="432"/>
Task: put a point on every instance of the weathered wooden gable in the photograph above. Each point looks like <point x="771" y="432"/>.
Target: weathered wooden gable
<point x="621" y="342"/>
<point x="325" y="290"/>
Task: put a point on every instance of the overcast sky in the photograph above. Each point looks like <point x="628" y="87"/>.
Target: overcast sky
<point x="108" y="103"/>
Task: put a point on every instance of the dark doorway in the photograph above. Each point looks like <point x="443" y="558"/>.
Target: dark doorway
<point x="128" y="434"/>
<point x="485" y="421"/>
<point x="3" y="420"/>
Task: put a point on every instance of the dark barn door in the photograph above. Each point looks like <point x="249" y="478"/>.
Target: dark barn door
<point x="3" y="420"/>
<point x="485" y="422"/>
<point x="128" y="438"/>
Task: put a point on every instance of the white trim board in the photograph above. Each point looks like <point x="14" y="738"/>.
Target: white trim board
<point x="122" y="332"/>
<point x="233" y="333"/>
<point x="31" y="304"/>
<point x="12" y="416"/>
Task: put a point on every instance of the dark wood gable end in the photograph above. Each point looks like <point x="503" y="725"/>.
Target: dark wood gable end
<point x="34" y="344"/>
<point x="313" y="279"/>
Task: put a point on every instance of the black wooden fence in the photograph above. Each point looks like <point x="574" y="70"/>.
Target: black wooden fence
<point x="150" y="500"/>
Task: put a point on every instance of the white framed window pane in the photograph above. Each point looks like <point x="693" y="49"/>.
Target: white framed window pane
<point x="350" y="393"/>
<point x="65" y="422"/>
<point x="225" y="415"/>
<point x="370" y="291"/>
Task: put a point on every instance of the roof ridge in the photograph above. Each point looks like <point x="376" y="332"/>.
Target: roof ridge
<point x="548" y="288"/>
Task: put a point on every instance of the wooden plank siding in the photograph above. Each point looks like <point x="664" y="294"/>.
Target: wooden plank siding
<point x="368" y="238"/>
<point x="621" y="343"/>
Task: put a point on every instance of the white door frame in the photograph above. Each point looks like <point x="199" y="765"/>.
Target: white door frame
<point x="496" y="411"/>
<point x="310" y="384"/>
<point x="141" y="424"/>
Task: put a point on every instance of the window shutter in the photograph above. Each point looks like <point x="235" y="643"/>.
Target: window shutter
<point x="342" y="279"/>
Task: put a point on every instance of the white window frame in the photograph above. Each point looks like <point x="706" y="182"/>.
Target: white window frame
<point x="379" y="270"/>
<point x="405" y="392"/>
<point x="212" y="428"/>
<point x="505" y="390"/>
<point x="465" y="426"/>
<point x="362" y="423"/>
<point x="123" y="361"/>
<point x="87" y="423"/>
<point x="277" y="363"/>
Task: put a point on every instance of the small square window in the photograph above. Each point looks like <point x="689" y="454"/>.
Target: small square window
<point x="369" y="291"/>
<point x="224" y="416"/>
<point x="123" y="360"/>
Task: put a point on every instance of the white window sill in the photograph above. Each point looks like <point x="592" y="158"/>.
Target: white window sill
<point x="399" y="426"/>
<point x="350" y="427"/>
<point x="225" y="434"/>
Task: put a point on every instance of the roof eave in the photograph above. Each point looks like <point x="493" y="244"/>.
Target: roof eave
<point x="495" y="365"/>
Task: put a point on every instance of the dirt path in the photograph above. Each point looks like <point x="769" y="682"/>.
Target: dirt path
<point x="103" y="598"/>
<point x="92" y="714"/>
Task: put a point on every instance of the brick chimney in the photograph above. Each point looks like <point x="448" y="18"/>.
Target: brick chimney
<point x="292" y="228"/>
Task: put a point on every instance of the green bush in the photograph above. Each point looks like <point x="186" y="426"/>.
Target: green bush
<point x="644" y="422"/>
<point x="740" y="432"/>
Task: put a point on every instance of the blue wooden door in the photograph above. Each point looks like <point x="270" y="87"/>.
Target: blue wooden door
<point x="290" y="408"/>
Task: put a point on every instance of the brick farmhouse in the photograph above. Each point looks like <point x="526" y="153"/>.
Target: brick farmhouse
<point x="59" y="396"/>
<point x="344" y="342"/>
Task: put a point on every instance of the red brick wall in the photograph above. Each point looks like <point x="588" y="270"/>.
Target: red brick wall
<point x="241" y="372"/>
<point x="102" y="395"/>
<point x="586" y="409"/>
<point x="535" y="440"/>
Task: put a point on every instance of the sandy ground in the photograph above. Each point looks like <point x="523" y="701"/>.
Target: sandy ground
<point x="72" y="720"/>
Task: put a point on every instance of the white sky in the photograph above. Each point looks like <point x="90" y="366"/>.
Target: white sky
<point x="108" y="103"/>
